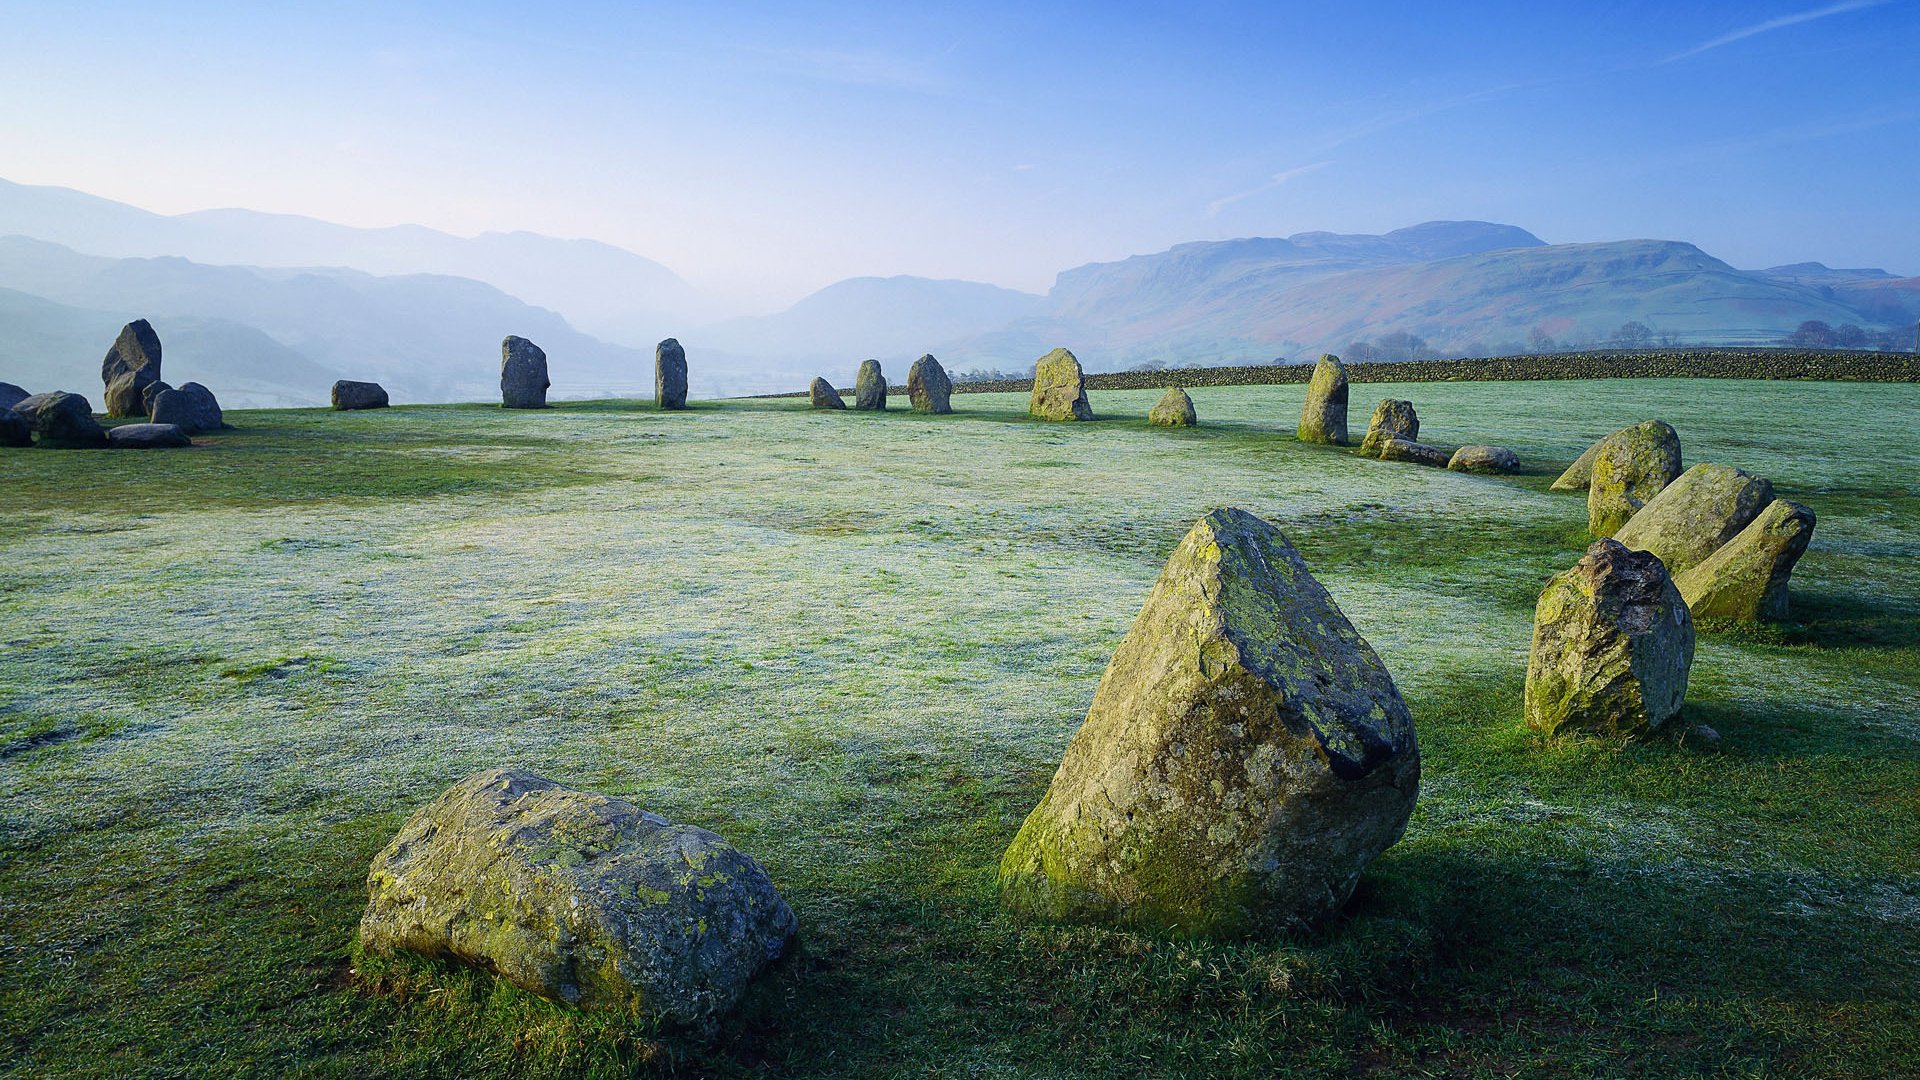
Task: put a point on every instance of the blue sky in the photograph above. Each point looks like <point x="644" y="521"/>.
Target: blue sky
<point x="766" y="150"/>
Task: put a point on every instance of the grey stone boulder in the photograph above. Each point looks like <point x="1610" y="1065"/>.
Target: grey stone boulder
<point x="1059" y="388"/>
<point x="1323" y="418"/>
<point x="1174" y="409"/>
<point x="1631" y="467"/>
<point x="523" y="374"/>
<point x="11" y="395"/>
<point x="1392" y="419"/>
<point x="1747" y="577"/>
<point x="870" y="387"/>
<point x="149" y="392"/>
<point x="1245" y="757"/>
<point x="31" y="405"/>
<point x="1395" y="448"/>
<point x="1495" y="460"/>
<point x="1612" y="646"/>
<point x="348" y="394"/>
<point x="147" y="436"/>
<point x="669" y="375"/>
<point x="1693" y="516"/>
<point x="822" y="395"/>
<point x="191" y="406"/>
<point x="63" y="421"/>
<point x="928" y="388"/>
<point x="1579" y="474"/>
<point x="132" y="363"/>
<point x="576" y="897"/>
<point x="15" y="430"/>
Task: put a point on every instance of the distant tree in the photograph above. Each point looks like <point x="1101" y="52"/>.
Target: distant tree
<point x="1668" y="339"/>
<point x="1632" y="335"/>
<point x="1362" y="352"/>
<point x="1539" y="341"/>
<point x="1401" y="345"/>
<point x="1812" y="334"/>
<point x="1849" y="336"/>
<point x="1149" y="365"/>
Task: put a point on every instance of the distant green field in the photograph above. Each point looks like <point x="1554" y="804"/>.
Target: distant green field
<point x="855" y="645"/>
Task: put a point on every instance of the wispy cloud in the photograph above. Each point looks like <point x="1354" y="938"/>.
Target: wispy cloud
<point x="1771" y="25"/>
<point x="1277" y="179"/>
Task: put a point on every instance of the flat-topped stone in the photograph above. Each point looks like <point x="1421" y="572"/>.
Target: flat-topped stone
<point x="147" y="436"/>
<point x="348" y="394"/>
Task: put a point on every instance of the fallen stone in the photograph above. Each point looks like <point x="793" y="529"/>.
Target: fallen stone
<point x="870" y="387"/>
<point x="523" y="374"/>
<point x="1395" y="448"/>
<point x="576" y="897"/>
<point x="63" y="421"/>
<point x="1175" y="409"/>
<point x="1612" y="646"/>
<point x="928" y="388"/>
<point x="191" y="406"/>
<point x="1059" y="388"/>
<point x="1323" y="419"/>
<point x="822" y="395"/>
<point x="1747" y="577"/>
<point x="1392" y="419"/>
<point x="11" y="395"/>
<point x="1246" y="755"/>
<point x="1484" y="459"/>
<point x="147" y="436"/>
<point x="15" y="430"/>
<point x="132" y="363"/>
<point x="1693" y="516"/>
<point x="1630" y="468"/>
<point x="669" y="375"/>
<point x="348" y="394"/>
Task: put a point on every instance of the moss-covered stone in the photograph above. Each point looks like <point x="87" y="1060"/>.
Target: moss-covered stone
<point x="1693" y="516"/>
<point x="1245" y="757"/>
<point x="822" y="395"/>
<point x="1059" y="388"/>
<point x="576" y="897"/>
<point x="1612" y="646"/>
<point x="1323" y="418"/>
<point x="523" y="374"/>
<point x="928" y="388"/>
<point x="1747" y="577"/>
<point x="129" y="367"/>
<point x="1395" y="448"/>
<point x="1174" y="409"/>
<point x="1392" y="419"/>
<point x="1493" y="460"/>
<point x="1631" y="467"/>
<point x="870" y="387"/>
<point x="1579" y="474"/>
<point x="64" y="421"/>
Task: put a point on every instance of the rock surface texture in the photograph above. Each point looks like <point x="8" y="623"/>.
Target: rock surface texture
<point x="1747" y="578"/>
<point x="1484" y="459"/>
<point x="928" y="388"/>
<point x="64" y="421"/>
<point x="669" y="375"/>
<point x="1059" y="388"/>
<point x="1580" y="473"/>
<point x="870" y="387"/>
<point x="822" y="395"/>
<point x="1392" y="419"/>
<point x="1612" y="646"/>
<point x="1693" y="516"/>
<point x="132" y="363"/>
<point x="1631" y="467"/>
<point x="149" y="392"/>
<point x="15" y="430"/>
<point x="1323" y="419"/>
<point x="1395" y="448"/>
<point x="523" y="374"/>
<point x="348" y="394"/>
<point x="191" y="406"/>
<point x="576" y="897"/>
<point x="147" y="436"/>
<point x="1246" y="755"/>
<point x="1174" y="409"/>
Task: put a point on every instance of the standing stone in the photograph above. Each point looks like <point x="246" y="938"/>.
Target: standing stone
<point x="1747" y="578"/>
<point x="576" y="897"/>
<point x="1630" y="468"/>
<point x="11" y="395"/>
<point x="1484" y="459"/>
<point x="1323" y="419"/>
<point x="1059" y="388"/>
<point x="132" y="363"/>
<point x="1693" y="516"/>
<point x="523" y="374"/>
<point x="65" y="421"/>
<point x="870" y="387"/>
<point x="1246" y="755"/>
<point x="348" y="394"/>
<point x="822" y="395"/>
<point x="1392" y="419"/>
<point x="191" y="406"/>
<point x="149" y="392"/>
<point x="928" y="388"/>
<point x="669" y="375"/>
<point x="15" y="430"/>
<point x="1395" y="448"/>
<point x="147" y="436"/>
<point x="1175" y="409"/>
<point x="1612" y="645"/>
<point x="1580" y="474"/>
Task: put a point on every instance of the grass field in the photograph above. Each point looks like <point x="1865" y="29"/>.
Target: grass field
<point x="855" y="645"/>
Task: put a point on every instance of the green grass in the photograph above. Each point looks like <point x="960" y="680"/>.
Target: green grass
<point x="856" y="645"/>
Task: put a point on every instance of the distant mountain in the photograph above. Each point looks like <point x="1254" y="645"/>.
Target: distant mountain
<point x="1809" y="273"/>
<point x="601" y="289"/>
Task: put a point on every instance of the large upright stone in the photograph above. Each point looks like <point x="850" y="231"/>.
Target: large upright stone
<point x="669" y="375"/>
<point x="1323" y="419"/>
<point x="64" y="421"/>
<point x="132" y="363"/>
<point x="576" y="897"/>
<point x="11" y="395"/>
<point x="1693" y="516"/>
<point x="1612" y="645"/>
<point x="1174" y="409"/>
<point x="822" y="395"/>
<point x="870" y="387"/>
<point x="191" y="406"/>
<point x="1246" y="755"/>
<point x="1392" y="419"/>
<point x="348" y="394"/>
<point x="523" y="374"/>
<point x="1631" y="467"/>
<point x="1059" y="388"/>
<point x="928" y="388"/>
<point x="1580" y="474"/>
<point x="1747" y="578"/>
